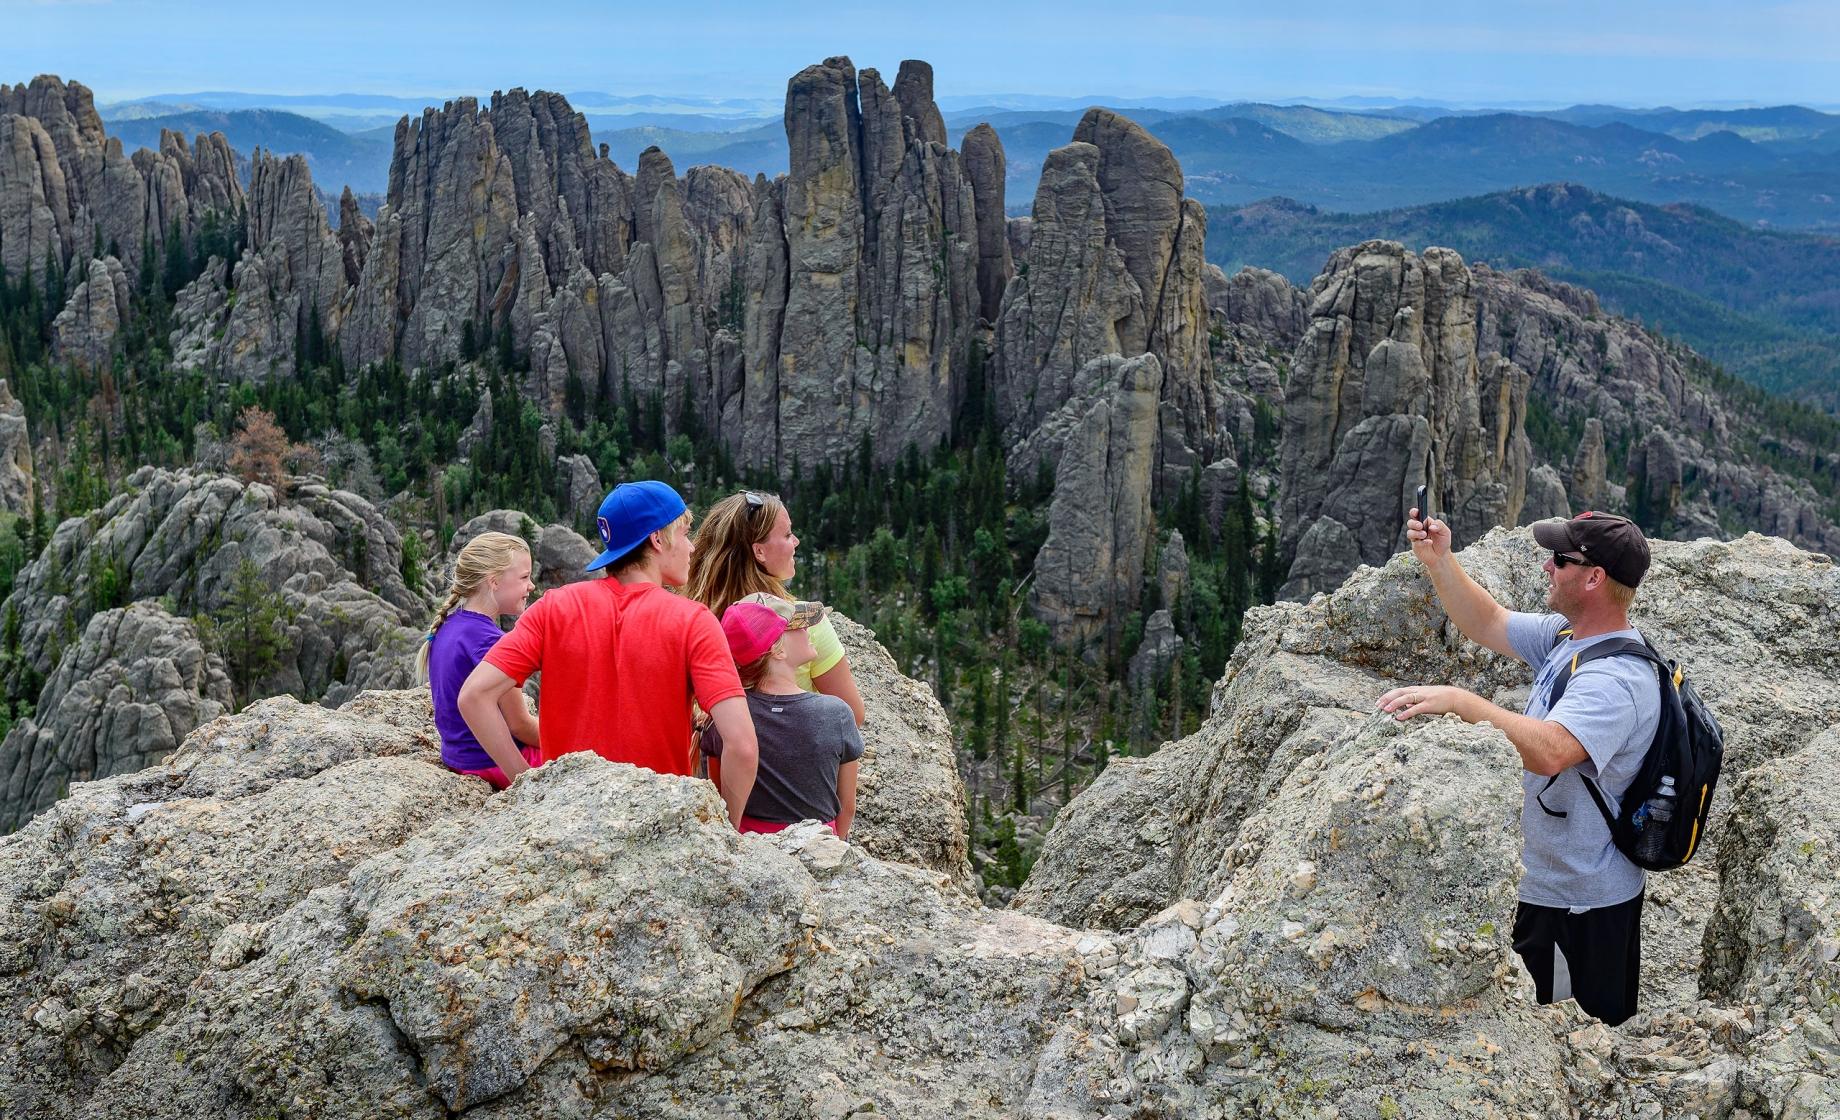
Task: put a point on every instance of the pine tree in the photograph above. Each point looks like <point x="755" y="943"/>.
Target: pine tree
<point x="1271" y="569"/>
<point x="177" y="266"/>
<point x="249" y="630"/>
<point x="54" y="285"/>
<point x="979" y="737"/>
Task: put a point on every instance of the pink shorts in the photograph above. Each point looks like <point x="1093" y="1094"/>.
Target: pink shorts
<point x="496" y="775"/>
<point x="754" y="824"/>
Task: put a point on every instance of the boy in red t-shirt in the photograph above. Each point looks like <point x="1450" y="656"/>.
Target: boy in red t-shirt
<point x="622" y="657"/>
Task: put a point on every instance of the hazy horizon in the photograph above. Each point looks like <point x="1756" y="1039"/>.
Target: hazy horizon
<point x="1645" y="54"/>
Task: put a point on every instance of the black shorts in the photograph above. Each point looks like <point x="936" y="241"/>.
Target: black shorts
<point x="1602" y="950"/>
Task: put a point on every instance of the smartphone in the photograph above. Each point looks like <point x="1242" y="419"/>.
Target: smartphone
<point x="1424" y="510"/>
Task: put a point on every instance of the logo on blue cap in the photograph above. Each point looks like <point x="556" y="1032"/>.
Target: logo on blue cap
<point x="632" y="512"/>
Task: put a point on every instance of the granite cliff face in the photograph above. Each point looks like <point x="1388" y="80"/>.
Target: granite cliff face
<point x="1387" y="393"/>
<point x="300" y="909"/>
<point x="869" y="258"/>
<point x="68" y="193"/>
<point x="1106" y="370"/>
<point x="1115" y="266"/>
<point x="290" y="289"/>
<point x="1090" y="569"/>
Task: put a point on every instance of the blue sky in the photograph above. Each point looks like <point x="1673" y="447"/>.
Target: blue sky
<point x="1684" y="52"/>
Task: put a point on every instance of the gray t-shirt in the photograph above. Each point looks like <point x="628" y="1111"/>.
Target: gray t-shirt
<point x="1612" y="707"/>
<point x="803" y="740"/>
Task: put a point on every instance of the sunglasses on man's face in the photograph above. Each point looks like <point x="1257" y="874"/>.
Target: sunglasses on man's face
<point x="1561" y="559"/>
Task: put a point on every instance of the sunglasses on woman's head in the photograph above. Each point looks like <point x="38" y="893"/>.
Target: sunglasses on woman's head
<point x="754" y="500"/>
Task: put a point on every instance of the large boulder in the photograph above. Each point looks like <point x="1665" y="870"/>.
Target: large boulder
<point x="303" y="911"/>
<point x="910" y="799"/>
<point x="1774" y="940"/>
<point x="558" y="553"/>
<point x="1354" y="960"/>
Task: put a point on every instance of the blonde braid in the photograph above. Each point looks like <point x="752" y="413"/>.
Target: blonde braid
<point x="484" y="556"/>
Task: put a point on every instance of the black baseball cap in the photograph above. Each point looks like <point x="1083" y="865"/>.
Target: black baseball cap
<point x="1611" y="542"/>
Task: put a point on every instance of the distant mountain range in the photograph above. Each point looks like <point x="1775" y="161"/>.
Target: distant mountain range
<point x="1791" y="182"/>
<point x="1764" y="303"/>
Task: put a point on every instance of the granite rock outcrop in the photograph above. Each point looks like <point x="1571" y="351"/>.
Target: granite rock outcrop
<point x="177" y="539"/>
<point x="1090" y="569"/>
<point x="84" y="332"/>
<point x="863" y="274"/>
<point x="1387" y="393"/>
<point x="1115" y="266"/>
<point x="68" y="193"/>
<point x="355" y="954"/>
<point x="1595" y="369"/>
<point x="1740" y="615"/>
<point x="137" y="681"/>
<point x="300" y="909"/>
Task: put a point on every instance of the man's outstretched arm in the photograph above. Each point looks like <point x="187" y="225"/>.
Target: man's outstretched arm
<point x="1546" y="748"/>
<point x="1473" y="610"/>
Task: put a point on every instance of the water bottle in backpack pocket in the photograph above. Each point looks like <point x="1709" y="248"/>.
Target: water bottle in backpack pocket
<point x="1651" y="820"/>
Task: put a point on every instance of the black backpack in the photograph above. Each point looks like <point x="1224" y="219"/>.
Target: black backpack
<point x="1689" y="745"/>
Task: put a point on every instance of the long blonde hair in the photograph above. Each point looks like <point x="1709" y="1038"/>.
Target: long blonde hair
<point x="723" y="567"/>
<point x="485" y="556"/>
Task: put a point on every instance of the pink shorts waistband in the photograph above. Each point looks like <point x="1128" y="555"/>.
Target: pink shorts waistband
<point x="755" y="824"/>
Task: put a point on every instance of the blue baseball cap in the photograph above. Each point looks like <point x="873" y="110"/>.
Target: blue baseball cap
<point x="634" y="511"/>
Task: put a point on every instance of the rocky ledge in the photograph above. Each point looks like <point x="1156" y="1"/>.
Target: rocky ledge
<point x="1303" y="910"/>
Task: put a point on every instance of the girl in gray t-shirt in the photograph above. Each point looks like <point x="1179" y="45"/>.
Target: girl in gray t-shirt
<point x="809" y="744"/>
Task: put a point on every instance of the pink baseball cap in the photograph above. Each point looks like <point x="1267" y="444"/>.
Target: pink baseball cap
<point x="751" y="630"/>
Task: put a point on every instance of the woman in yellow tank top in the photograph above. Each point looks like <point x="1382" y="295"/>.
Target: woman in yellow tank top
<point x="745" y="546"/>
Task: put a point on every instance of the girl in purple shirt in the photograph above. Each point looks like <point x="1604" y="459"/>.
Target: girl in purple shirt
<point x="491" y="578"/>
